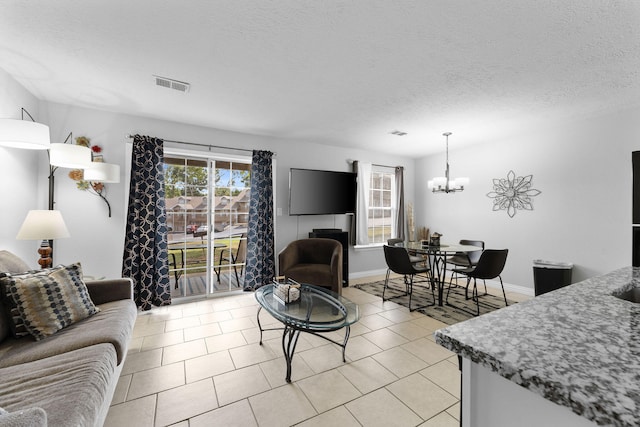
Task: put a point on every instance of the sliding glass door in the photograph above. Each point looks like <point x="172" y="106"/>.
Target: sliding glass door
<point x="207" y="202"/>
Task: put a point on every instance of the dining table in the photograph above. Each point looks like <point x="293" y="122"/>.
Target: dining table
<point x="437" y="260"/>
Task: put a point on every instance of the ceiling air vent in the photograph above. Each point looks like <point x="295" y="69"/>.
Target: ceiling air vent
<point x="172" y="84"/>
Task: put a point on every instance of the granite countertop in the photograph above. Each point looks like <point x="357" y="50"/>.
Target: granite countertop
<point x="578" y="346"/>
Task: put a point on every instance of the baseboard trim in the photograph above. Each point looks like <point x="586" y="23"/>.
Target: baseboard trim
<point x="361" y="274"/>
<point x="511" y="287"/>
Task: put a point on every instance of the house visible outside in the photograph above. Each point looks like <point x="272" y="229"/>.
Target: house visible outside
<point x="187" y="214"/>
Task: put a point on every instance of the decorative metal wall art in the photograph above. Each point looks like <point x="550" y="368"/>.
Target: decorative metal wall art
<point x="513" y="193"/>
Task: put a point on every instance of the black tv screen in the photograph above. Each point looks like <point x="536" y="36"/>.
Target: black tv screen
<point x="317" y="192"/>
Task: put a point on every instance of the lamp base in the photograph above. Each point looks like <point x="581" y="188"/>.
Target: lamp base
<point x="45" y="250"/>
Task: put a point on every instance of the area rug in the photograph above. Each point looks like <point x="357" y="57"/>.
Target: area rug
<point x="458" y="310"/>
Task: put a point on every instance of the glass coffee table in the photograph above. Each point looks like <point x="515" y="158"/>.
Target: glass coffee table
<point x="317" y="310"/>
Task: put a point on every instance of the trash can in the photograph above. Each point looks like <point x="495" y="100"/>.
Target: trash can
<point x="550" y="275"/>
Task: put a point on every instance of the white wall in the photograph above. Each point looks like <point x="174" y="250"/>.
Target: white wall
<point x="18" y="173"/>
<point x="97" y="241"/>
<point x="583" y="169"/>
<point x="583" y="215"/>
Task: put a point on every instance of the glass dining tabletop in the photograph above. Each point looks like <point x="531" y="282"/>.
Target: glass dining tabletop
<point x="440" y="249"/>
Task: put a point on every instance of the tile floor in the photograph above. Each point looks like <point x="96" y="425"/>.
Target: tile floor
<point x="200" y="364"/>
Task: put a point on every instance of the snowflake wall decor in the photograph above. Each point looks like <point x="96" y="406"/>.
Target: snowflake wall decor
<point x="513" y="193"/>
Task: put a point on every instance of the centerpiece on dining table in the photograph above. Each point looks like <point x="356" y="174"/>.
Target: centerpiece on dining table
<point x="434" y="240"/>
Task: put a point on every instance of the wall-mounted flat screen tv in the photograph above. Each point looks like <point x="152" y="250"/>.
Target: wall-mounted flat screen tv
<point x="318" y="192"/>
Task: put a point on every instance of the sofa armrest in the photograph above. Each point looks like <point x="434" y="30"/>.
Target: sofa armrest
<point x="32" y="417"/>
<point x="102" y="291"/>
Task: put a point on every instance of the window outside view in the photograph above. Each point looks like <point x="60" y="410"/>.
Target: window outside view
<point x="381" y="206"/>
<point x="207" y="203"/>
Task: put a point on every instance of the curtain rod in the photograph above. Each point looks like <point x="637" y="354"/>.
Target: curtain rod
<point x="375" y="164"/>
<point x="204" y="145"/>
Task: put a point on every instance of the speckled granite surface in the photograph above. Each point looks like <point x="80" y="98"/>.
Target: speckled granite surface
<point x="578" y="346"/>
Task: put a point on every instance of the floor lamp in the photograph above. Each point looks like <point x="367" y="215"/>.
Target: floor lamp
<point x="62" y="156"/>
<point x="35" y="136"/>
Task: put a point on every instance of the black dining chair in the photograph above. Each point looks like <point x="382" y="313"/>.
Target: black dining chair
<point x="415" y="259"/>
<point x="489" y="266"/>
<point x="465" y="260"/>
<point x="398" y="261"/>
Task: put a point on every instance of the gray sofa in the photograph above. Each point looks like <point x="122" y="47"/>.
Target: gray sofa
<point x="66" y="379"/>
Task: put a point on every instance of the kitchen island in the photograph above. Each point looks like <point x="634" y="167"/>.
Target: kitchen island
<point x="570" y="357"/>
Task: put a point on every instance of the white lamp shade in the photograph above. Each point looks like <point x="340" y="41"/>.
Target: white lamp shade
<point x="440" y="181"/>
<point x="70" y="156"/>
<point x="24" y="134"/>
<point x="43" y="225"/>
<point x="462" y="181"/>
<point x="430" y="184"/>
<point x="102" y="172"/>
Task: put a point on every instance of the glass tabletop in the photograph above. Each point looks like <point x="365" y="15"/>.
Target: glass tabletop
<point x="443" y="248"/>
<point x="317" y="309"/>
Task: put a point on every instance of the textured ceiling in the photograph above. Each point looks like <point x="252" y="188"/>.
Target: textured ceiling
<point x="336" y="72"/>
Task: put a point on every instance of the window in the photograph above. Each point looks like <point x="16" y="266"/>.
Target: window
<point x="381" y="209"/>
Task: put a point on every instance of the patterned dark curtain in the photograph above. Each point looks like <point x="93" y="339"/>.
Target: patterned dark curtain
<point x="145" y="258"/>
<point x="260" y="267"/>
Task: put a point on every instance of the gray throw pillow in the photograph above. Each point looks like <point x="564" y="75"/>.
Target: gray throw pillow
<point x="49" y="300"/>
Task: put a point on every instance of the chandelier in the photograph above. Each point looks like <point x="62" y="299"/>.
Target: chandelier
<point x="443" y="184"/>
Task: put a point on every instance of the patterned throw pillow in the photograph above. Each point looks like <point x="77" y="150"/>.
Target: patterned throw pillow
<point x="16" y="324"/>
<point x="49" y="300"/>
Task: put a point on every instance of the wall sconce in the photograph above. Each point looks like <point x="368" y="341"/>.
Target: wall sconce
<point x="97" y="174"/>
<point x="24" y="134"/>
<point x="102" y="172"/>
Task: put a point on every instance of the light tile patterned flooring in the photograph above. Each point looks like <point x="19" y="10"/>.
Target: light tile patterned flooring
<point x="200" y="364"/>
